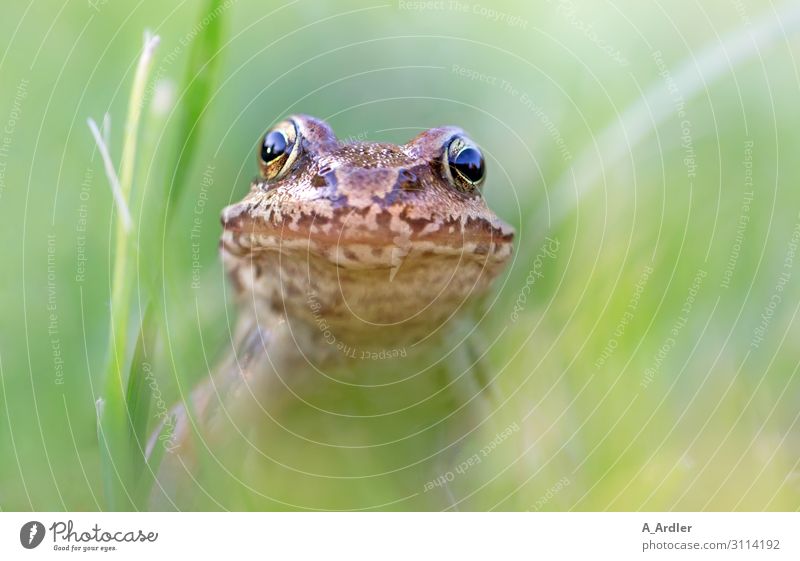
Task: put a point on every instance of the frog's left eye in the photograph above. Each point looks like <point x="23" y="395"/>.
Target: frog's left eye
<point x="464" y="165"/>
<point x="278" y="150"/>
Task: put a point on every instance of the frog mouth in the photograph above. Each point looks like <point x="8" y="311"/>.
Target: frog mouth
<point x="366" y="239"/>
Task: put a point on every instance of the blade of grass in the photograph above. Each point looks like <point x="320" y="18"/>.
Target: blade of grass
<point x="139" y="397"/>
<point x="114" y="422"/>
<point x="197" y="86"/>
<point x="152" y="192"/>
<point x="102" y="141"/>
<point x="123" y="417"/>
<point x="139" y="392"/>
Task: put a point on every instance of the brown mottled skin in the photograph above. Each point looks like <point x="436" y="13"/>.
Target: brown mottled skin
<point x="350" y="249"/>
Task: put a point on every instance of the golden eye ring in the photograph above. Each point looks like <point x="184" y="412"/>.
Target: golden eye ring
<point x="278" y="150"/>
<point x="464" y="165"/>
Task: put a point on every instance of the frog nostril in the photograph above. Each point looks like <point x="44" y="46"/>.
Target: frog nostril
<point x="325" y="177"/>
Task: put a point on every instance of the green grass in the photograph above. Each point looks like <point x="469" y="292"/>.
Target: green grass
<point x="124" y="410"/>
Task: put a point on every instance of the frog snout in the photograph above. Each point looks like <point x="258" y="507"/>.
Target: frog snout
<point x="361" y="186"/>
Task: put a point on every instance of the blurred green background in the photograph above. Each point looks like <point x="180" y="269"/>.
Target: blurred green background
<point x="653" y="364"/>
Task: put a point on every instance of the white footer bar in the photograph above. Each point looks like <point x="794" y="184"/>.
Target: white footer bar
<point x="406" y="536"/>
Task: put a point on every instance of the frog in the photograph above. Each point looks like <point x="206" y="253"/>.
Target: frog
<point x="353" y="265"/>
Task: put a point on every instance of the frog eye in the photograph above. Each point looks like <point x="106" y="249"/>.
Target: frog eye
<point x="464" y="165"/>
<point x="278" y="150"/>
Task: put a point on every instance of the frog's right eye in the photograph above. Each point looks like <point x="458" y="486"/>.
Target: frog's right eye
<point x="278" y="150"/>
<point x="464" y="165"/>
